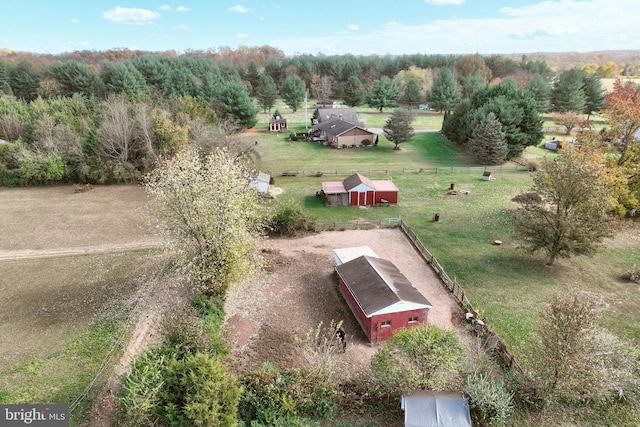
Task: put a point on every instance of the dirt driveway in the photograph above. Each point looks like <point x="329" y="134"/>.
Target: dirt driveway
<point x="298" y="289"/>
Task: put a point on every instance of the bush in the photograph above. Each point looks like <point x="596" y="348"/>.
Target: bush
<point x="366" y="142"/>
<point x="199" y="392"/>
<point x="533" y="165"/>
<point x="272" y="396"/>
<point x="289" y="219"/>
<point x="141" y="386"/>
<point x="490" y="403"/>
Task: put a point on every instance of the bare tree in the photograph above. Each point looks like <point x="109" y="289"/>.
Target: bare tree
<point x="116" y="129"/>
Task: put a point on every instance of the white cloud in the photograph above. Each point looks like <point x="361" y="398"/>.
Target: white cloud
<point x="74" y="20"/>
<point x="165" y="7"/>
<point x="353" y="27"/>
<point x="443" y="2"/>
<point x="130" y="15"/>
<point x="182" y="9"/>
<point x="180" y="28"/>
<point x="242" y="35"/>
<point x="239" y="8"/>
<point x="541" y="27"/>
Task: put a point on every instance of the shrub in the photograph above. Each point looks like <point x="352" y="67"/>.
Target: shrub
<point x="199" y="392"/>
<point x="272" y="396"/>
<point x="533" y="165"/>
<point x="490" y="403"/>
<point x="366" y="142"/>
<point x="289" y="219"/>
<point x="182" y="332"/>
<point x="141" y="386"/>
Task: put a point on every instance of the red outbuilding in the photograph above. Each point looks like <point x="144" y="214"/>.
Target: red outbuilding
<point x="358" y="190"/>
<point x="381" y="298"/>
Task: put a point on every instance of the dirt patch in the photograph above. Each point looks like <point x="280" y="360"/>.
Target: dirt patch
<point x="298" y="289"/>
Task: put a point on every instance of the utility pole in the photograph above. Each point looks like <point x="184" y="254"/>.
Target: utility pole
<point x="306" y="121"/>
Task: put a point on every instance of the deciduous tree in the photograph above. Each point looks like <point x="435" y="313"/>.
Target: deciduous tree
<point x="622" y="109"/>
<point x="209" y="214"/>
<point x="570" y="217"/>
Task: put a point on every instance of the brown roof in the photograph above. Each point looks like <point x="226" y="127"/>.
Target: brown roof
<point x="355" y="180"/>
<point x="379" y="287"/>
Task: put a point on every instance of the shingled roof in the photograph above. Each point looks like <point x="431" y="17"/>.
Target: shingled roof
<point x="379" y="287"/>
<point x="357" y="179"/>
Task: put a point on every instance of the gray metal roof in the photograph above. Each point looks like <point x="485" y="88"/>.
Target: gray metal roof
<point x="427" y="408"/>
<point x="346" y="114"/>
<point x="377" y="284"/>
<point x="357" y="179"/>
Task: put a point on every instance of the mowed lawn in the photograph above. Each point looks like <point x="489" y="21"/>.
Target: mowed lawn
<point x="70" y="266"/>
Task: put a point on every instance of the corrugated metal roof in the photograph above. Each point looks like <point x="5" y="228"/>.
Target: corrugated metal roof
<point x="377" y="284"/>
<point x="427" y="408"/>
<point x="333" y="187"/>
<point x="386" y="185"/>
<point x="347" y="254"/>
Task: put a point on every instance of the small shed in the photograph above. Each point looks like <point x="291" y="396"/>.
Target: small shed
<point x="486" y="176"/>
<point x="260" y="183"/>
<point x="551" y="145"/>
<point x="342" y="255"/>
<point x="358" y="190"/>
<point x="277" y="123"/>
<point x="381" y="298"/>
<point x="427" y="408"/>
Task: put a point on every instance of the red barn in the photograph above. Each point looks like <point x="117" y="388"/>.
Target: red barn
<point x="358" y="190"/>
<point x="381" y="297"/>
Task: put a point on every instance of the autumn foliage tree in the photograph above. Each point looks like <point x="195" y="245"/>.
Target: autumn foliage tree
<point x="209" y="214"/>
<point x="569" y="120"/>
<point x="622" y="109"/>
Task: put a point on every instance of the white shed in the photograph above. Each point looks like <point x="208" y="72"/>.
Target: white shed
<point x="340" y="256"/>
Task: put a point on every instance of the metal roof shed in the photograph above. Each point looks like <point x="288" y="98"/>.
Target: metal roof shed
<point x="428" y="408"/>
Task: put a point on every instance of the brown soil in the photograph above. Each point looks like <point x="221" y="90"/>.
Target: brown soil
<point x="298" y="289"/>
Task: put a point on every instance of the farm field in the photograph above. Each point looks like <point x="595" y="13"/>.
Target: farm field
<point x="72" y="266"/>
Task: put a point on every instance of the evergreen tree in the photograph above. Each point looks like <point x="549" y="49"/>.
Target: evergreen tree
<point x="238" y="104"/>
<point x="385" y="93"/>
<point x="125" y="78"/>
<point x="398" y="128"/>
<point x="487" y="143"/>
<point x="568" y="92"/>
<point x="444" y="93"/>
<point x="470" y="84"/>
<point x="24" y="79"/>
<point x="354" y="92"/>
<point x="412" y="95"/>
<point x="540" y="89"/>
<point x="594" y="94"/>
<point x="76" y="77"/>
<point x="266" y="92"/>
<point x="252" y="75"/>
<point x="293" y="92"/>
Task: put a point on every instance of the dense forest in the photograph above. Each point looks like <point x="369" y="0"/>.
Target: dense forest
<point x="102" y="117"/>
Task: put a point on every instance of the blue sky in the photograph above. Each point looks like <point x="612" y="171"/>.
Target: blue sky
<point x="330" y="27"/>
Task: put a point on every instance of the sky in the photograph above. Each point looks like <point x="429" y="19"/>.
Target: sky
<point x="329" y="27"/>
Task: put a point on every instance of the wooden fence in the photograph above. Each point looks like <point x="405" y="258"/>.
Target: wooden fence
<point x="359" y="224"/>
<point x="403" y="171"/>
<point x="489" y="335"/>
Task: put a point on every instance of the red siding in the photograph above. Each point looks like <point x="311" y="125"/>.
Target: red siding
<point x="372" y="327"/>
<point x="389" y="196"/>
